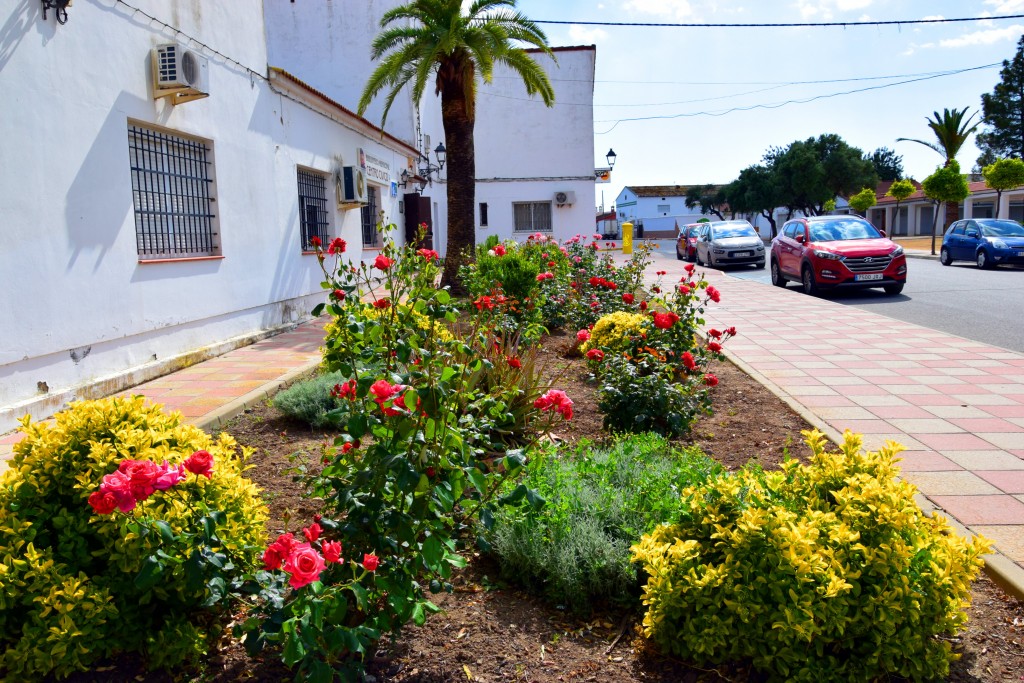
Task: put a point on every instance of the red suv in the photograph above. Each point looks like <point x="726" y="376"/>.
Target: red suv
<point x="825" y="252"/>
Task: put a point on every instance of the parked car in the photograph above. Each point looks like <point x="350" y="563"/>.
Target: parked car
<point x="729" y="243"/>
<point x="827" y="252"/>
<point x="986" y="241"/>
<point x="686" y="243"/>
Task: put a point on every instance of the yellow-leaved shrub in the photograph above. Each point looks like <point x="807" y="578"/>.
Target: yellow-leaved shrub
<point x="820" y="572"/>
<point x="616" y="332"/>
<point x="67" y="576"/>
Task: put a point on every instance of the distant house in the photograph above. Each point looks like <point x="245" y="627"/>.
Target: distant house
<point x="917" y="215"/>
<point x="608" y="224"/>
<point x="655" y="210"/>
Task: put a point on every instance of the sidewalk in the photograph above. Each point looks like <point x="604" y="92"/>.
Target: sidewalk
<point x="211" y="392"/>
<point x="957" y="405"/>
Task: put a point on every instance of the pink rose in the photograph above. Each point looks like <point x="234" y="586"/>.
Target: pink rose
<point x="199" y="463"/>
<point x="582" y="336"/>
<point x="304" y="564"/>
<point x="499" y="250"/>
<point x="169" y="476"/>
<point x="119" y="484"/>
<point x="142" y="476"/>
<point x="312" y="532"/>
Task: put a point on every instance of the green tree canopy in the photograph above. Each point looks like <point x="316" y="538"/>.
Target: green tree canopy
<point x="1004" y="174"/>
<point x="888" y="164"/>
<point x="452" y="45"/>
<point x="948" y="186"/>
<point x="709" y="198"/>
<point x="755" y="191"/>
<point x="812" y="171"/>
<point x="863" y="200"/>
<point x="899" y="190"/>
<point x="951" y="132"/>
<point x="1002" y="113"/>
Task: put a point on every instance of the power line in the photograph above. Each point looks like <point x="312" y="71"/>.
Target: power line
<point x="778" y="105"/>
<point x="822" y="24"/>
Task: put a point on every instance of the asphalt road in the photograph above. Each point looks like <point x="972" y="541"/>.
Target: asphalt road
<point x="983" y="305"/>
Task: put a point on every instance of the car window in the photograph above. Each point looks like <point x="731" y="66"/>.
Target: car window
<point x="957" y="229"/>
<point x="724" y="231"/>
<point x="851" y="229"/>
<point x="996" y="228"/>
<point x="790" y="230"/>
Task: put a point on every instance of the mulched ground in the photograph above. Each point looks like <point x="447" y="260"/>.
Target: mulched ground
<point x="489" y="631"/>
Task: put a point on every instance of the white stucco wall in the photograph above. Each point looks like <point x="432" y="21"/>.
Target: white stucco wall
<point x="77" y="305"/>
<point x="526" y="151"/>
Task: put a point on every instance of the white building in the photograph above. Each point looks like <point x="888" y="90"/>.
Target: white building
<point x="656" y="209"/>
<point x="142" y="235"/>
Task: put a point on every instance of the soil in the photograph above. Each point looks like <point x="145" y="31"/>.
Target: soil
<point x="488" y="631"/>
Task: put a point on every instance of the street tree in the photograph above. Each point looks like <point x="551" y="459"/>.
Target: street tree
<point x="947" y="186"/>
<point x="811" y="172"/>
<point x="888" y="164"/>
<point x="1002" y="113"/>
<point x="455" y="43"/>
<point x="755" y="191"/>
<point x="1004" y="174"/>
<point x="951" y="132"/>
<point x="899" y="190"/>
<point x="709" y="198"/>
<point x="863" y="200"/>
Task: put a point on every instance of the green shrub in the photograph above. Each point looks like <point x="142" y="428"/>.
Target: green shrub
<point x="310" y="400"/>
<point x="643" y="395"/>
<point x="70" y="580"/>
<point x="576" y="548"/>
<point x="514" y="273"/>
<point x="824" y="572"/>
<point x="617" y="332"/>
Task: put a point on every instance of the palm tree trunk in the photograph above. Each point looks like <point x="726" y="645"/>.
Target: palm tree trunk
<point x="458" y="139"/>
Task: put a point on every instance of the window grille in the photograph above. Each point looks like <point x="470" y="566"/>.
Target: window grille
<point x="532" y="216"/>
<point x="172" y="194"/>
<point x="371" y="235"/>
<point x="314" y="219"/>
<point x="483" y="214"/>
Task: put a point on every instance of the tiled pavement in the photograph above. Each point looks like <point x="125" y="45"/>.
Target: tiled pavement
<point x="956" y="404"/>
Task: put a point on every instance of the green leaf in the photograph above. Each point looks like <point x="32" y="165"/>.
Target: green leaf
<point x="419" y="617"/>
<point x="517" y="494"/>
<point x="476" y="478"/>
<point x="443" y="297"/>
<point x="433" y="551"/>
<point x="535" y="499"/>
<point x="150" y="573"/>
<point x="318" y="309"/>
<point x="165" y="530"/>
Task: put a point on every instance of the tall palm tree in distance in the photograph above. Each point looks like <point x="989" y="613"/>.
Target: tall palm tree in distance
<point x="438" y="39"/>
<point x="951" y="132"/>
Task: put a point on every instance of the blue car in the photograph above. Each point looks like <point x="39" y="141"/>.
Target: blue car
<point x="986" y="241"/>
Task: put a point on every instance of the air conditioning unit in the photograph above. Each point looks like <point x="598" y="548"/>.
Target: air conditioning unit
<point x="563" y="198"/>
<point x="352" y="186"/>
<point x="179" y="73"/>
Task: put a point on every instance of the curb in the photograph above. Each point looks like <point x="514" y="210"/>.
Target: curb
<point x="922" y="255"/>
<point x="1003" y="571"/>
<point x="219" y="417"/>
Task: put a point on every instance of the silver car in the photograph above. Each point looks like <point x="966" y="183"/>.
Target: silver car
<point x="730" y="243"/>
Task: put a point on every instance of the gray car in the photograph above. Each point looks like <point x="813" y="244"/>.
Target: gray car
<point x="730" y="243"/>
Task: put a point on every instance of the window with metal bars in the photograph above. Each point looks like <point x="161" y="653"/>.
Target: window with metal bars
<point x="532" y="216"/>
<point x="172" y="190"/>
<point x="371" y="235"/>
<point x="314" y="218"/>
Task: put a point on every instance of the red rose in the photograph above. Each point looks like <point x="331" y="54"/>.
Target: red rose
<point x="304" y="564"/>
<point x="551" y="264"/>
<point x="643" y="305"/>
<point x="315" y="241"/>
<point x="382" y="262"/>
<point x="689" y="268"/>
<point x="514" y="362"/>
<point x="731" y="331"/>
<point x="332" y="551"/>
<point x="628" y="298"/>
<point x="312" y="532"/>
<point x="430" y="472"/>
<point x="499" y="250"/>
<point x="555" y="400"/>
<point x="103" y="502"/>
<point x="664" y="321"/>
<point x="582" y="336"/>
<point x="656" y="290"/>
<point x="337" y="246"/>
<point x="710" y="380"/>
<point x="688" y="361"/>
<point x="371" y="562"/>
<point x="714" y="294"/>
<point x="662" y="272"/>
<point x="428" y="254"/>
<point x="119" y="484"/>
<point x="339" y="294"/>
<point x="714" y="347"/>
<point x="199" y="463"/>
<point x="381" y="304"/>
<point x="272" y="558"/>
<point x="595" y="354"/>
<point x="714" y="333"/>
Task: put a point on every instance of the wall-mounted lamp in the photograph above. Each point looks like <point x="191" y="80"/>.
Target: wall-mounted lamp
<point x="407" y="178"/>
<point x="426" y="171"/>
<point x="610" y="156"/>
<point x="60" y="8"/>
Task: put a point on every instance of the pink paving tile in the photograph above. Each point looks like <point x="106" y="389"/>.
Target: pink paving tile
<point x="864" y="390"/>
<point x="12" y="438"/>
<point x="902" y="412"/>
<point x="1007" y="481"/>
<point x="1019" y="454"/>
<point x="954" y="442"/>
<point x="863" y="426"/>
<point x="191" y="410"/>
<point x="982" y="424"/>
<point x="994" y="509"/>
<point x="935" y="400"/>
<point x="826" y="401"/>
<point x="926" y="461"/>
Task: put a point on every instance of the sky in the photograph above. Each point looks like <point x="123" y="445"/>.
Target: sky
<point x="690" y="73"/>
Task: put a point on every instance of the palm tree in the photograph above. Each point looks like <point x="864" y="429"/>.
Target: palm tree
<point x="436" y="38"/>
<point x="951" y="132"/>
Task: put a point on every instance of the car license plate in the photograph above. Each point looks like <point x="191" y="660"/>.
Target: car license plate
<point x="1020" y="253"/>
<point x="868" y="276"/>
<point x="741" y="254"/>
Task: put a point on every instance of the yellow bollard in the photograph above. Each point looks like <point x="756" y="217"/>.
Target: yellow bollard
<point x="627" y="238"/>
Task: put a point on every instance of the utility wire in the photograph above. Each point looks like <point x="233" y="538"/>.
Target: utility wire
<point x="778" y="105"/>
<point x="821" y="24"/>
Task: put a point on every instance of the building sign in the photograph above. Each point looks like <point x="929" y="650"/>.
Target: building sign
<point x="377" y="170"/>
<point x="602" y="175"/>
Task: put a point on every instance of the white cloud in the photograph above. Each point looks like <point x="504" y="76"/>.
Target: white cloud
<point x="582" y="35"/>
<point x="848" y="5"/>
<point x="664" y="8"/>
<point x="824" y="10"/>
<point x="1006" y="6"/>
<point x="984" y="37"/>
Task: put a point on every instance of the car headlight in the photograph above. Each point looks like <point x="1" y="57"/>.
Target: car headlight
<point x="719" y="251"/>
<point x="898" y="251"/>
<point x="998" y="244"/>
<point x="827" y="255"/>
<point x="760" y="247"/>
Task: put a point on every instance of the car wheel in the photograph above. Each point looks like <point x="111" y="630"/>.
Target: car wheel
<point x="777" y="278"/>
<point x="893" y="290"/>
<point x="983" y="261"/>
<point x="679" y="257"/>
<point x="807" y="279"/>
<point x="759" y="265"/>
<point x="944" y="257"/>
<point x="696" y="258"/>
<point x="691" y="257"/>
